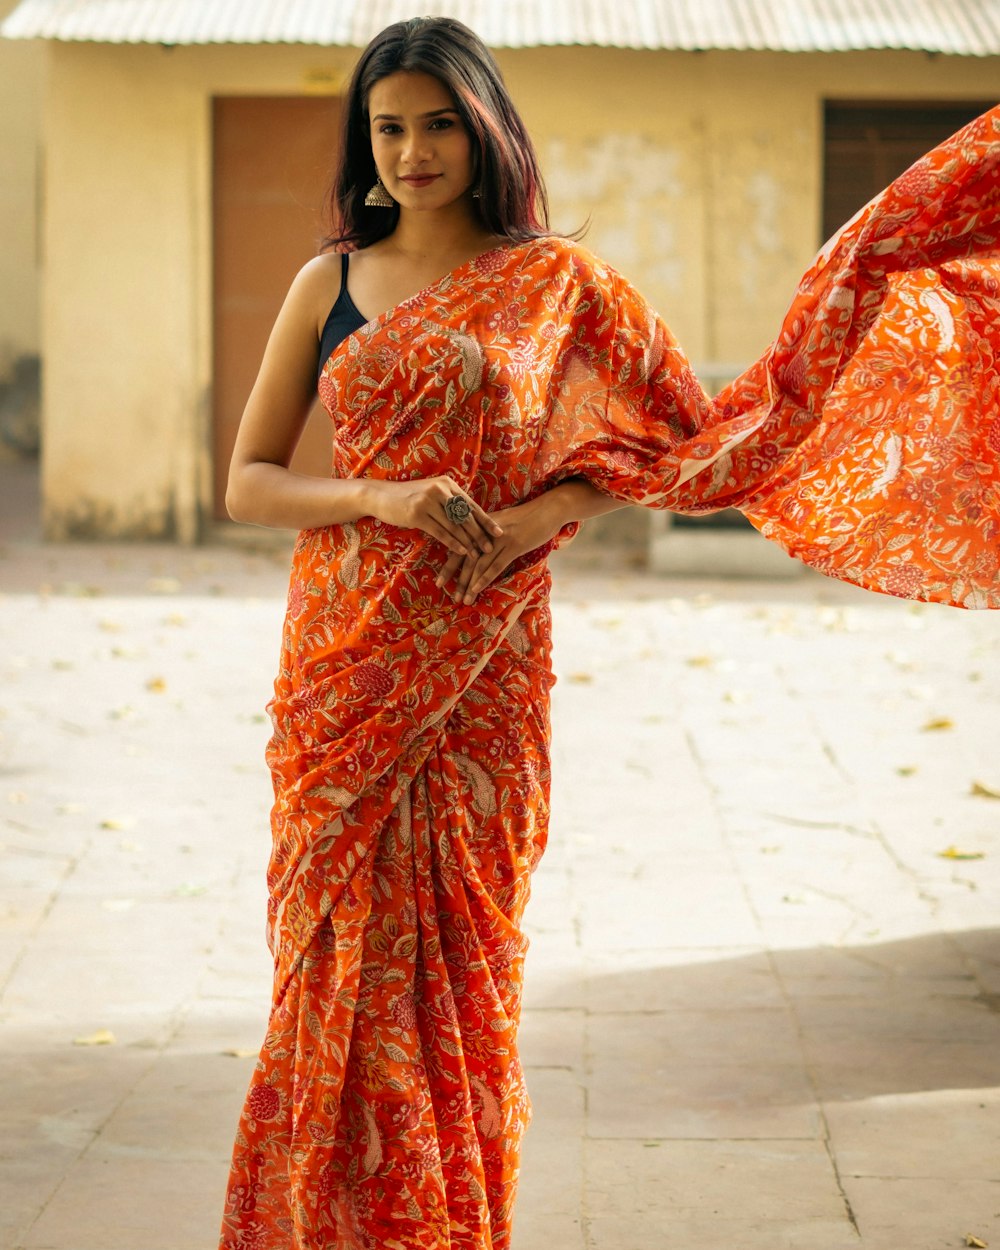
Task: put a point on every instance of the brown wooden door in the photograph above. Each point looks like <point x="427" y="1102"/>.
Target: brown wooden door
<point x="869" y="143"/>
<point x="272" y="162"/>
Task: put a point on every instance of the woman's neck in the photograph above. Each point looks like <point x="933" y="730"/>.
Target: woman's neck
<point x="425" y="237"/>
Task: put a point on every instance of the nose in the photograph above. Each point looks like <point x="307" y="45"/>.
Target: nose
<point x="417" y="148"/>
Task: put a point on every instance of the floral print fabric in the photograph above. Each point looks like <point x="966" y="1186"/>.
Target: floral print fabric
<point x="410" y="744"/>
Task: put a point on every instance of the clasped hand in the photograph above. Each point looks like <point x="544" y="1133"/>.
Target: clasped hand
<point x="479" y="548"/>
<point x="522" y="528"/>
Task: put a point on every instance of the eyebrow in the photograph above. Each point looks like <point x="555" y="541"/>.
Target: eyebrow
<point x="395" y="117"/>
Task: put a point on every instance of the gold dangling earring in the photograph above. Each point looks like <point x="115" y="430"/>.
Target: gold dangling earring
<point x="379" y="197"/>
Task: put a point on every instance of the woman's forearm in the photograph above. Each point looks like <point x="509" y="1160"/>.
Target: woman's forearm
<point x="264" y="493"/>
<point x="271" y="495"/>
<point x="576" y="500"/>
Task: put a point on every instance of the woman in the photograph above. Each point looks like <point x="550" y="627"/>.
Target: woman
<point x="499" y="386"/>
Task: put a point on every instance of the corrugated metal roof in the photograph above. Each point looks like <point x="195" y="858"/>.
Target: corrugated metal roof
<point x="959" y="27"/>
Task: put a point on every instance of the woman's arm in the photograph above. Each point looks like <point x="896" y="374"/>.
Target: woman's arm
<point x="264" y="491"/>
<point x="525" y="527"/>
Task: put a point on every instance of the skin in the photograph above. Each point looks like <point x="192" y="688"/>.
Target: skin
<point x="415" y="131"/>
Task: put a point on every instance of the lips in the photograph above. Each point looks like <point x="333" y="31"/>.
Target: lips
<point x="419" y="180"/>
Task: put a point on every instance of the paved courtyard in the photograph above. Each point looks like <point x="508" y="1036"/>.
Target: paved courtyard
<point x="763" y="1005"/>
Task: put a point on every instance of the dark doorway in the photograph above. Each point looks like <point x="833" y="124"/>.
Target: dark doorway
<point x="867" y="144"/>
<point x="272" y="160"/>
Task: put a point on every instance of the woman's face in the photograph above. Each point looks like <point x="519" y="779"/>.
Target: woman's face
<point x="421" y="147"/>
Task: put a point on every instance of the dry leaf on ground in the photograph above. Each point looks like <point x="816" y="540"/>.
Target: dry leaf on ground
<point x="952" y="852"/>
<point x="972" y="1240"/>
<point x="938" y="722"/>
<point x="188" y="889"/>
<point x="902" y="659"/>
<point x="103" y="1037"/>
<point x="581" y="679"/>
<point x="983" y="791"/>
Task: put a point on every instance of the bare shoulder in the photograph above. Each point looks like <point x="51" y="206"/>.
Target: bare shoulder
<point x="315" y="288"/>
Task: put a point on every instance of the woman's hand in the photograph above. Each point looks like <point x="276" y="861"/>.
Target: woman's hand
<point x="420" y="505"/>
<point x="524" y="527"/>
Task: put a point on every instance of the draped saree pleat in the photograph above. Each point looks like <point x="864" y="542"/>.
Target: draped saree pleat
<point x="410" y="744"/>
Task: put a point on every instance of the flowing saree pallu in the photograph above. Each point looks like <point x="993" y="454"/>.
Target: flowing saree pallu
<point x="410" y="745"/>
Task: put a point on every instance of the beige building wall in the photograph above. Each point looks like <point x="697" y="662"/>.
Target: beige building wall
<point x="700" y="174"/>
<point x="22" y="67"/>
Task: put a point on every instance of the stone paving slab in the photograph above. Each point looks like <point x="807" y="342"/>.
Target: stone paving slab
<point x="650" y="1195"/>
<point x="923" y="1214"/>
<point x="763" y="997"/>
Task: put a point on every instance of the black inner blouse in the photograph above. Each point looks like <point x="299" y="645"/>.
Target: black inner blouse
<point x="343" y="320"/>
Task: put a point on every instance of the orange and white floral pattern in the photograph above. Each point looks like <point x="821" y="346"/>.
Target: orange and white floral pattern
<point x="410" y="744"/>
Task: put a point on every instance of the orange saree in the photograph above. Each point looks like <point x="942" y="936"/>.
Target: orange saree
<point x="410" y="744"/>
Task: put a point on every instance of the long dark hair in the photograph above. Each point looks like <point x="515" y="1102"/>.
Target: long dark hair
<point x="511" y="201"/>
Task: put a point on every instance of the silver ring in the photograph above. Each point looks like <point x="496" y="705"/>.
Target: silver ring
<point x="457" y="509"/>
